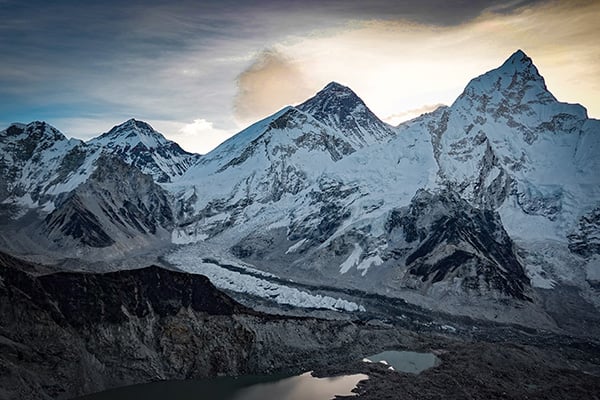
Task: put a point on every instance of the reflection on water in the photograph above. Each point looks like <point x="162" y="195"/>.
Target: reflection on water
<point x="405" y="361"/>
<point x="302" y="387"/>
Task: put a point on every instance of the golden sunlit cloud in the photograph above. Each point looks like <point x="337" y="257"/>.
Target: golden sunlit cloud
<point x="398" y="66"/>
<point x="271" y="82"/>
<point x="402" y="69"/>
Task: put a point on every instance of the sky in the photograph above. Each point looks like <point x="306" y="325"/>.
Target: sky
<point x="200" y="71"/>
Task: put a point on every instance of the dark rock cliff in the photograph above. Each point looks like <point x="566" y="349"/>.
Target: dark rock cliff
<point x="68" y="334"/>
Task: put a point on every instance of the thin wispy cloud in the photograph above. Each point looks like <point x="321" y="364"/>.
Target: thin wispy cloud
<point x="395" y="119"/>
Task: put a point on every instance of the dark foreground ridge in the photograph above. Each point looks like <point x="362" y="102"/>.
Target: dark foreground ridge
<point x="68" y="334"/>
<point x="83" y="299"/>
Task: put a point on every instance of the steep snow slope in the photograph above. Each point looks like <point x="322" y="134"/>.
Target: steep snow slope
<point x="507" y="144"/>
<point x="506" y="134"/>
<point x="276" y="160"/>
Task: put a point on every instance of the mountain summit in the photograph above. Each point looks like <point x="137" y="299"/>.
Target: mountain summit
<point x="138" y="144"/>
<point x="333" y="99"/>
<point x="516" y="83"/>
<point x="133" y="132"/>
<point x="338" y="107"/>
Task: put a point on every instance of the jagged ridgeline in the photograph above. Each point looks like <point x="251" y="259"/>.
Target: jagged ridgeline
<point x="491" y="198"/>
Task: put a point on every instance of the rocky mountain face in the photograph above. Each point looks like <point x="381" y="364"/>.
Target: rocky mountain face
<point x="441" y="238"/>
<point x="102" y="211"/>
<point x="35" y="160"/>
<point x="491" y="198"/>
<point x="69" y="334"/>
<point x="338" y="107"/>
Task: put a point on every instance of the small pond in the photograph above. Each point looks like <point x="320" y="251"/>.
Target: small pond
<point x="405" y="361"/>
<point x="301" y="387"/>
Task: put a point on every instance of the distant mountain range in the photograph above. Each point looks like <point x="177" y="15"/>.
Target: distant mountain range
<point x="491" y="199"/>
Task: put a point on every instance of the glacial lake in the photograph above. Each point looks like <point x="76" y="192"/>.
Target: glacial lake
<point x="405" y="361"/>
<point x="281" y="387"/>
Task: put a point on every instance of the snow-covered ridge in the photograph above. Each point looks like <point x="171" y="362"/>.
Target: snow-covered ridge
<point x="325" y="190"/>
<point x="39" y="163"/>
<point x="36" y="162"/>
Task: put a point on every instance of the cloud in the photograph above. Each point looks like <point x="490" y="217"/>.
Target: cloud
<point x="89" y="65"/>
<point x="271" y="82"/>
<point x="398" y="64"/>
<point x="199" y="136"/>
<point x="396" y="118"/>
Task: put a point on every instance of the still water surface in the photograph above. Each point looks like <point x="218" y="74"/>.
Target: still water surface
<point x="301" y="387"/>
<point x="406" y="361"/>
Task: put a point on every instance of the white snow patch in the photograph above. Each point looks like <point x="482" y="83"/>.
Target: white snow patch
<point x="295" y="246"/>
<point x="538" y="277"/>
<point x="352" y="260"/>
<point x="26" y="201"/>
<point x="367" y="262"/>
<point x="216" y="218"/>
<point x="180" y="236"/>
<point x="449" y="328"/>
<point x="525" y="227"/>
<point x="48" y="207"/>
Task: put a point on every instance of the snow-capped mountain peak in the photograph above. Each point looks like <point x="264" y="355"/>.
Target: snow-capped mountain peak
<point x="34" y="159"/>
<point x="36" y="131"/>
<point x="333" y="100"/>
<point x="338" y="107"/>
<point x="132" y="132"/>
<point x="517" y="82"/>
<point x="519" y="61"/>
<point x="138" y="144"/>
